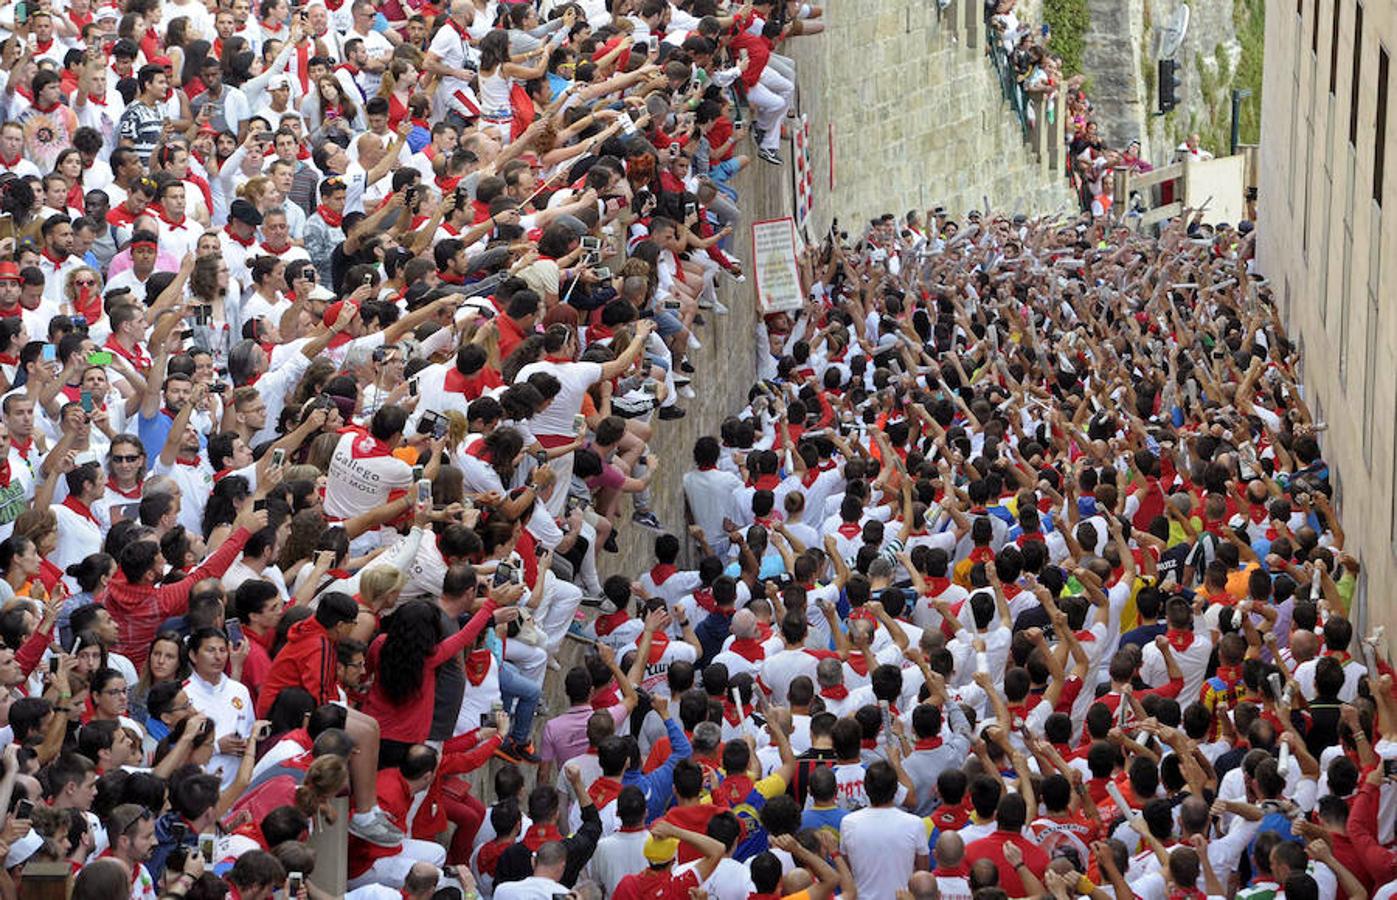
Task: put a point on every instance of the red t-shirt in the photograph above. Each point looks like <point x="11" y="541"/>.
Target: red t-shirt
<point x="991" y="847"/>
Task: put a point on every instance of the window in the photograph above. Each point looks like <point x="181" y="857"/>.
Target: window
<point x="1380" y="132"/>
<point x="1357" y="71"/>
<point x="1334" y="52"/>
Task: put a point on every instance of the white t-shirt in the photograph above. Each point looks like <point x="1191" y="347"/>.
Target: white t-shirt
<point x="361" y="476"/>
<point x="882" y="844"/>
<point x="575" y="378"/>
<point x="229" y="706"/>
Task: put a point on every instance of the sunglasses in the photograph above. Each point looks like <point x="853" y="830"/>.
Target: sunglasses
<point x="86" y="283"/>
<point x="126" y="458"/>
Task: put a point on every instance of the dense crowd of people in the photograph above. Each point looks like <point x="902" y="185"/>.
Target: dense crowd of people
<point x="333" y="349"/>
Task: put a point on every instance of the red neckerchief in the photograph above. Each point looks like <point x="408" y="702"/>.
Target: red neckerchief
<point x="732" y="714"/>
<point x="183" y="221"/>
<point x="329" y="216"/>
<point x="222" y="474"/>
<point x="8" y="359"/>
<point x="662" y="572"/>
<point x="1191" y="893"/>
<point x="478" y="666"/>
<point x="366" y="446"/>
<point x="23" y="448"/>
<point x="952" y="817"/>
<point x="138" y="359"/>
<point x="749" y="649"/>
<point x="276" y="251"/>
<point x="5" y="473"/>
<point x="538" y="835"/>
<point x="768" y="482"/>
<point x="837" y="692"/>
<point x="80" y="508"/>
<point x="451" y="278"/>
<point x="11" y="163"/>
<point x="53" y="259"/>
<point x="704" y="598"/>
<point x="133" y="494"/>
<point x="607" y="624"/>
<point x="190" y="461"/>
<point x="981" y="555"/>
<point x="39" y="50"/>
<point x="603" y="791"/>
<point x="471" y="386"/>
<point x="859" y="664"/>
<point x="937" y="585"/>
<point x="658" y="642"/>
<point x="928" y="743"/>
<point x="1029" y="537"/>
<point x="89" y="304"/>
<point x="733" y="791"/>
<point x="247" y="242"/>
<point x="1179" y="640"/>
<point x="850" y="530"/>
<point x="1343" y="656"/>
<point x="447" y="183"/>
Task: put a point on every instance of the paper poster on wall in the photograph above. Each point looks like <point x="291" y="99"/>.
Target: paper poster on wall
<point x="776" y="274"/>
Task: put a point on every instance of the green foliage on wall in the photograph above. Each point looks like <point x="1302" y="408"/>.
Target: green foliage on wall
<point x="1068" y="20"/>
<point x="1250" y="18"/>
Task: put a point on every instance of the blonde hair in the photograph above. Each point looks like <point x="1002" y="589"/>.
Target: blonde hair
<point x="253" y="189"/>
<point x="326" y="777"/>
<point x="377" y="582"/>
<point x="70" y="289"/>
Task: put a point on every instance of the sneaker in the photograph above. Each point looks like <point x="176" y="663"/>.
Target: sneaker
<point x="671" y="412"/>
<point x="682" y="380"/>
<point x="516" y="751"/>
<point x="757" y="135"/>
<point x="687" y="392"/>
<point x="719" y="308"/>
<point x="694" y="342"/>
<point x="705" y="303"/>
<point x="699" y="319"/>
<point x="686" y="366"/>
<point x="646" y="519"/>
<point x="378" y="830"/>
<point x="596" y="603"/>
<point x="611" y="546"/>
<point x="770" y="156"/>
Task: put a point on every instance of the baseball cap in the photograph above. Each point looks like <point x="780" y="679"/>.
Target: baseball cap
<point x="162" y="61"/>
<point x="332" y="312"/>
<point x="660" y="850"/>
<point x="279" y="83"/>
<point x="245" y="212"/>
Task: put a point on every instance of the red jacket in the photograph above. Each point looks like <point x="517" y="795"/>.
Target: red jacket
<point x="1379" y="862"/>
<point x="410" y="720"/>
<point x="140" y="608"/>
<point x="307" y="661"/>
<point x="258" y="662"/>
<point x="991" y="847"/>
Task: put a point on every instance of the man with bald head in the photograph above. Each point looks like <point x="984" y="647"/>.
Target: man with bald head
<point x="743" y="655"/>
<point x="373" y="163"/>
<point x="950" y="875"/>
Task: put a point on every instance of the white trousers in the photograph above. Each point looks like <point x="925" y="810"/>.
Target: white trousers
<point x="771" y="97"/>
<point x="392" y="870"/>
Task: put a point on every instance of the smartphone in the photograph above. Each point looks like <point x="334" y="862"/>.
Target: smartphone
<point x="424" y="492"/>
<point x="130" y="511"/>
<point x="487" y="720"/>
<point x="50" y="353"/>
<point x="293" y="881"/>
<point x="504" y="574"/>
<point x="671" y="305"/>
<point x="368" y="278"/>
<point x="590" y="243"/>
<point x="53" y="665"/>
<point x="186" y="334"/>
<point x="218" y="387"/>
<point x="99" y="358"/>
<point x="602" y="271"/>
<point x="178" y="831"/>
<point x="206" y="843"/>
<point x="579" y="424"/>
<point x="690" y="210"/>
<point x="265" y="731"/>
<point x="541" y="458"/>
<point x="439" y="428"/>
<point x="428" y="423"/>
<point x="259" y="505"/>
<point x="651" y="388"/>
<point x="278" y="457"/>
<point x="21" y="12"/>
<point x="234" y="629"/>
<point x="412" y="388"/>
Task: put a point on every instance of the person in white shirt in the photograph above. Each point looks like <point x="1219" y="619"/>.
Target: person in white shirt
<point x="553" y="427"/>
<point x="79" y="532"/>
<point x="1338" y="636"/>
<point x="622" y="853"/>
<point x="550" y="861"/>
<point x="884" y="845"/>
<point x="1191" y="650"/>
<point x="711" y="494"/>
<point x="364" y="474"/>
<point x="224" y="701"/>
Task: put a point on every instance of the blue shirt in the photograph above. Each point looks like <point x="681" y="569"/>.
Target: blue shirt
<point x="658" y="786"/>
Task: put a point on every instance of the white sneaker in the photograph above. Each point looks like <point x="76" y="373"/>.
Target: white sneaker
<point x="687" y="392"/>
<point x="694" y="343"/>
<point x="719" y="308"/>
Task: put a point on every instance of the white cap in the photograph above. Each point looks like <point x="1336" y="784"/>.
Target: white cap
<point x="279" y="83"/>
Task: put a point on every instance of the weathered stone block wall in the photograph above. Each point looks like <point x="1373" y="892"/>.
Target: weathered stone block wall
<point x="919" y="119"/>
